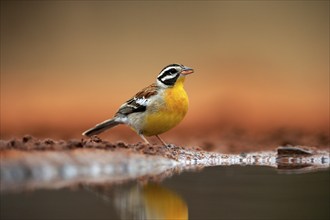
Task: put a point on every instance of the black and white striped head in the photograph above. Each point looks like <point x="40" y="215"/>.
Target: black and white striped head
<point x="169" y="75"/>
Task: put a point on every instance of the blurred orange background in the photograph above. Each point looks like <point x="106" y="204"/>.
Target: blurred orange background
<point x="260" y="67"/>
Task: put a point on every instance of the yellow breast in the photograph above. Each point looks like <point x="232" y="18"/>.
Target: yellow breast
<point x="168" y="112"/>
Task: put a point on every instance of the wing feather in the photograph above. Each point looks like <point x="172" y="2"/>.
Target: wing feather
<point x="139" y="102"/>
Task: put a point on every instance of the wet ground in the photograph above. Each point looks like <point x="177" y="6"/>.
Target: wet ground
<point x="96" y="179"/>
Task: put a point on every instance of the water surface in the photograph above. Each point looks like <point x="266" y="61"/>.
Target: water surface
<point x="220" y="192"/>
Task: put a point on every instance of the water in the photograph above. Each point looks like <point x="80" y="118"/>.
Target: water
<point x="219" y="192"/>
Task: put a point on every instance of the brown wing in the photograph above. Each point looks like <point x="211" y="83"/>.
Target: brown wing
<point x="139" y="102"/>
<point x="148" y="91"/>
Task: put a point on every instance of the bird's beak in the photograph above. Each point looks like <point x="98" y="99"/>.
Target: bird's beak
<point x="187" y="70"/>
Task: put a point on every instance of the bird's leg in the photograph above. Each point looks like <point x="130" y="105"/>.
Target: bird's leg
<point x="145" y="140"/>
<point x="161" y="140"/>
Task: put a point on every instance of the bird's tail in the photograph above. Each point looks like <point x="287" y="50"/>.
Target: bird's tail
<point x="99" y="128"/>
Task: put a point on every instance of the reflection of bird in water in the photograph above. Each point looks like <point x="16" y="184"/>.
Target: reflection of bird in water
<point x="150" y="201"/>
<point x="161" y="203"/>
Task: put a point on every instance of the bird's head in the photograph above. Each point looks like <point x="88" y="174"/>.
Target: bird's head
<point x="170" y="74"/>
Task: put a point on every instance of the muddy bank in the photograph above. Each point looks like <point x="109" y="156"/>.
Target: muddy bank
<point x="28" y="143"/>
<point x="29" y="163"/>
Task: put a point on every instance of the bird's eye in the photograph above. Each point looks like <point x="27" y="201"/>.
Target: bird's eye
<point x="172" y="71"/>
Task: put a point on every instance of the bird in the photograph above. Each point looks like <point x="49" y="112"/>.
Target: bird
<point x="155" y="109"/>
